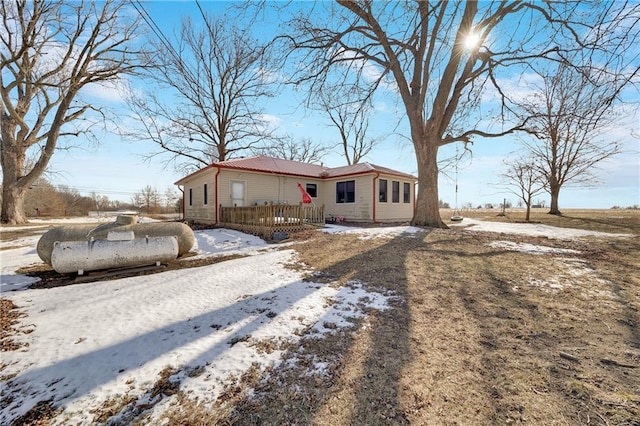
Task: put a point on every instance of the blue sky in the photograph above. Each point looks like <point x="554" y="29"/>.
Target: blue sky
<point x="116" y="168"/>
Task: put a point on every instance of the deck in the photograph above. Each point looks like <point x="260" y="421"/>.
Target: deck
<point x="266" y="219"/>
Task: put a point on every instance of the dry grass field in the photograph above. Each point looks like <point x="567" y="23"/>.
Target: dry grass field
<point x="478" y="333"/>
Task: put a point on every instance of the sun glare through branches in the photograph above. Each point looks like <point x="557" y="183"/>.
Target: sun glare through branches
<point x="472" y="41"/>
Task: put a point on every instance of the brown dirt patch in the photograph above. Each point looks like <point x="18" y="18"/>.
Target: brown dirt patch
<point x="40" y="414"/>
<point x="9" y="316"/>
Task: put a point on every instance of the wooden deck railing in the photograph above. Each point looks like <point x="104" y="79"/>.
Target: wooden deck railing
<point x="266" y="219"/>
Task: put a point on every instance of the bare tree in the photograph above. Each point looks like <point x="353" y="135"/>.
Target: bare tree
<point x="351" y="118"/>
<point x="524" y="179"/>
<point x="438" y="57"/>
<point x="74" y="203"/>
<point x="304" y="150"/>
<point x="42" y="199"/>
<point x="570" y="114"/>
<point x="100" y="202"/>
<point x="172" y="200"/>
<point x="51" y="51"/>
<point x="137" y="200"/>
<point x="205" y="107"/>
<point x="148" y="199"/>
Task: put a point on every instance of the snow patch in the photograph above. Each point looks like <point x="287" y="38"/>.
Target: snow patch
<point x="373" y="232"/>
<point x="532" y="229"/>
<point x="530" y="248"/>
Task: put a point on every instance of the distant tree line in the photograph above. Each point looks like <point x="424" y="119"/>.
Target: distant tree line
<point x="43" y="199"/>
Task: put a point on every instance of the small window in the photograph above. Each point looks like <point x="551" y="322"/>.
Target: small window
<point x="395" y="191"/>
<point x="206" y="195"/>
<point x="190" y="196"/>
<point x="312" y="190"/>
<point x="407" y="192"/>
<point x="382" y="190"/>
<point x="346" y="192"/>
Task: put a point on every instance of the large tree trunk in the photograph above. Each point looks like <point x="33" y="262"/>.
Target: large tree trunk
<point x="555" y="194"/>
<point x="554" y="190"/>
<point x="13" y="205"/>
<point x="13" y="190"/>
<point x="427" y="212"/>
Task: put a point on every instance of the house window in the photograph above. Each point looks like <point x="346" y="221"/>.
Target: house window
<point x="395" y="191"/>
<point x="206" y="195"/>
<point x="190" y="196"/>
<point x="312" y="190"/>
<point x="407" y="192"/>
<point x="382" y="190"/>
<point x="346" y="191"/>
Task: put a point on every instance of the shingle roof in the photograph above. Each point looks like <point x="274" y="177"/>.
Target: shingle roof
<point x="266" y="164"/>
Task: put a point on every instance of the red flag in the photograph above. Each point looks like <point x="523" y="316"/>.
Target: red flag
<point x="306" y="198"/>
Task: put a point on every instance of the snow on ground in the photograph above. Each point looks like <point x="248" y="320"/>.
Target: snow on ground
<point x="530" y="248"/>
<point x="530" y="229"/>
<point x="213" y="242"/>
<point x="567" y="272"/>
<point x="14" y="255"/>
<point x="72" y="220"/>
<point x="44" y="224"/>
<point x="90" y="343"/>
<point x="373" y="232"/>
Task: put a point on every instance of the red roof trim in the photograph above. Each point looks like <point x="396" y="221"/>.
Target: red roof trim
<point x="267" y="172"/>
<point x="325" y="174"/>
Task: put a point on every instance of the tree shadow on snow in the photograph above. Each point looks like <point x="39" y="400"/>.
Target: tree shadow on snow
<point x="208" y="338"/>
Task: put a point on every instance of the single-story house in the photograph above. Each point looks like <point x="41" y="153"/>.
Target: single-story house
<point x="361" y="192"/>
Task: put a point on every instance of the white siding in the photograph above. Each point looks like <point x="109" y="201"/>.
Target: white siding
<point x="359" y="211"/>
<point x="261" y="188"/>
<point x="198" y="211"/>
<point x="394" y="212"/>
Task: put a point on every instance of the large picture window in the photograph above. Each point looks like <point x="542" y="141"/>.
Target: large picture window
<point x="382" y="190"/>
<point x="395" y="191"/>
<point x="407" y="192"/>
<point x="346" y="191"/>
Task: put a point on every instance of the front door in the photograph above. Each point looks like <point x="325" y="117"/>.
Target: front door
<point x="237" y="193"/>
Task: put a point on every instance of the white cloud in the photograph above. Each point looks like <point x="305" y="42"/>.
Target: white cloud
<point x="517" y="88"/>
<point x="273" y="120"/>
<point x="268" y="76"/>
<point x="109" y="91"/>
<point x="370" y="71"/>
<point x="270" y="122"/>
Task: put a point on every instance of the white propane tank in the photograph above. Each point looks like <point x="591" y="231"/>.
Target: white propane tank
<point x="93" y="255"/>
<point x="119" y="230"/>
